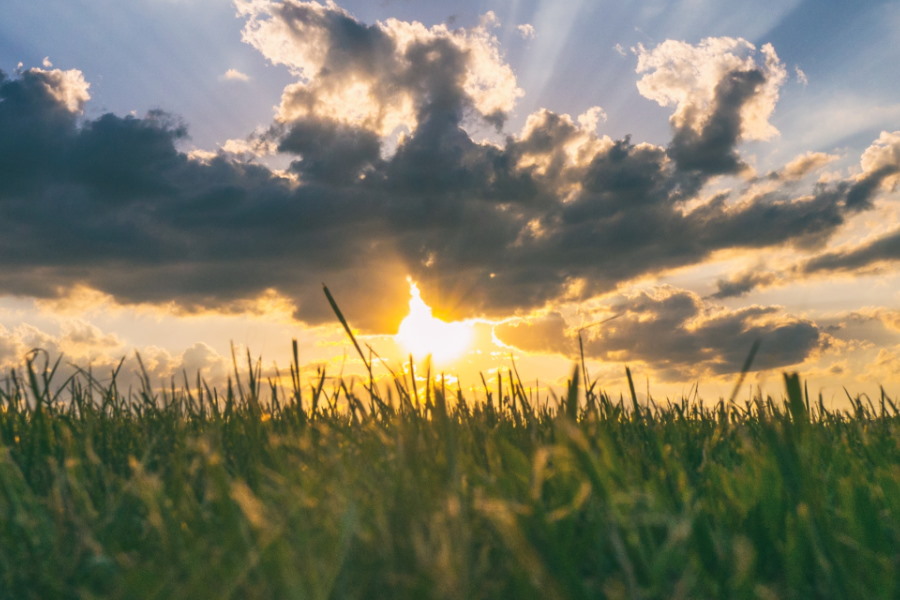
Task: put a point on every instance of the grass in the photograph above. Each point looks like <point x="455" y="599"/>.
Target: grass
<point x="348" y="490"/>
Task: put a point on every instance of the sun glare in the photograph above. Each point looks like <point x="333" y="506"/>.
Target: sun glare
<point x="421" y="334"/>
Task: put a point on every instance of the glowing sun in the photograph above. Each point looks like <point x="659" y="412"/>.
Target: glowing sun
<point x="422" y="334"/>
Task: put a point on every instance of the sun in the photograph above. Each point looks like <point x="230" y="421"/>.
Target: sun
<point x="421" y="334"/>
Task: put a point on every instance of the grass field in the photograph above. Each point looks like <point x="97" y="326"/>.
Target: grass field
<point x="344" y="489"/>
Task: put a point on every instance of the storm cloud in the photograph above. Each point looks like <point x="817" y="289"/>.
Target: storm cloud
<point x="387" y="180"/>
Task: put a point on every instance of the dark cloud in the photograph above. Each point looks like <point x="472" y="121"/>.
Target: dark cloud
<point x="676" y="332"/>
<point x="680" y="336"/>
<point x="742" y="284"/>
<point x="883" y="249"/>
<point x="712" y="150"/>
<point x="33" y="119"/>
<point x="112" y="203"/>
<point x="861" y="192"/>
<point x="330" y="152"/>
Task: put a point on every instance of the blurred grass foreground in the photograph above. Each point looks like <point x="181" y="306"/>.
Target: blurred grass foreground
<point x="347" y="490"/>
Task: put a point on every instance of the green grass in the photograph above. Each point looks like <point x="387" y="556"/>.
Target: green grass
<point x="345" y="489"/>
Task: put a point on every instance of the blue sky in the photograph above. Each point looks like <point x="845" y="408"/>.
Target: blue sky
<point x="784" y="192"/>
<point x="170" y="54"/>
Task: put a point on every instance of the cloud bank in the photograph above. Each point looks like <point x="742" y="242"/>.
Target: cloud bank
<point x="679" y="334"/>
<point x="387" y="179"/>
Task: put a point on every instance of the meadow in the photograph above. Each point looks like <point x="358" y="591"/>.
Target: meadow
<point x="350" y="489"/>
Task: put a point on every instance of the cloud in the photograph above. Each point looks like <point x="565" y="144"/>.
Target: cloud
<point x="870" y="255"/>
<point x="880" y="164"/>
<point x="886" y="317"/>
<point x="883" y="156"/>
<point x="891" y="319"/>
<point x="591" y="118"/>
<point x="80" y="345"/>
<point x="67" y="88"/>
<point x="543" y="333"/>
<point x="885" y="366"/>
<point x="881" y="249"/>
<point x="804" y="164"/>
<point x="235" y="75"/>
<point x="82" y="333"/>
<point x="675" y="332"/>
<point x="721" y="92"/>
<point x="381" y="77"/>
<point x="331" y="151"/>
<point x="201" y="358"/>
<point x="77" y="341"/>
<point x="385" y="181"/>
<point x="742" y="284"/>
<point x="680" y="335"/>
<point x="526" y="30"/>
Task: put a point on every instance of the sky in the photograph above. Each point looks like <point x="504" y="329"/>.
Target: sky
<point x="658" y="184"/>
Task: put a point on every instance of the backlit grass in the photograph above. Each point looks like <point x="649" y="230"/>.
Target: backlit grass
<point x="342" y="490"/>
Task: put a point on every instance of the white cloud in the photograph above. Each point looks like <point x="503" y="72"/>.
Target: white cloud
<point x="526" y="30"/>
<point x="687" y="76"/>
<point x="200" y="155"/>
<point x="201" y="358"/>
<point x="67" y="87"/>
<point x="882" y="153"/>
<point x="591" y="118"/>
<point x="77" y="340"/>
<point x="82" y="333"/>
<point x="489" y="20"/>
<point x="375" y="77"/>
<point x="254" y="146"/>
<point x="235" y="75"/>
<point x="806" y="163"/>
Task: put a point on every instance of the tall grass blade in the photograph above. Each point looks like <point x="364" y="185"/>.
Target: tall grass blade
<point x="572" y="396"/>
<point x="634" y="400"/>
<point x="748" y="363"/>
<point x="796" y="404"/>
<point x="340" y="316"/>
